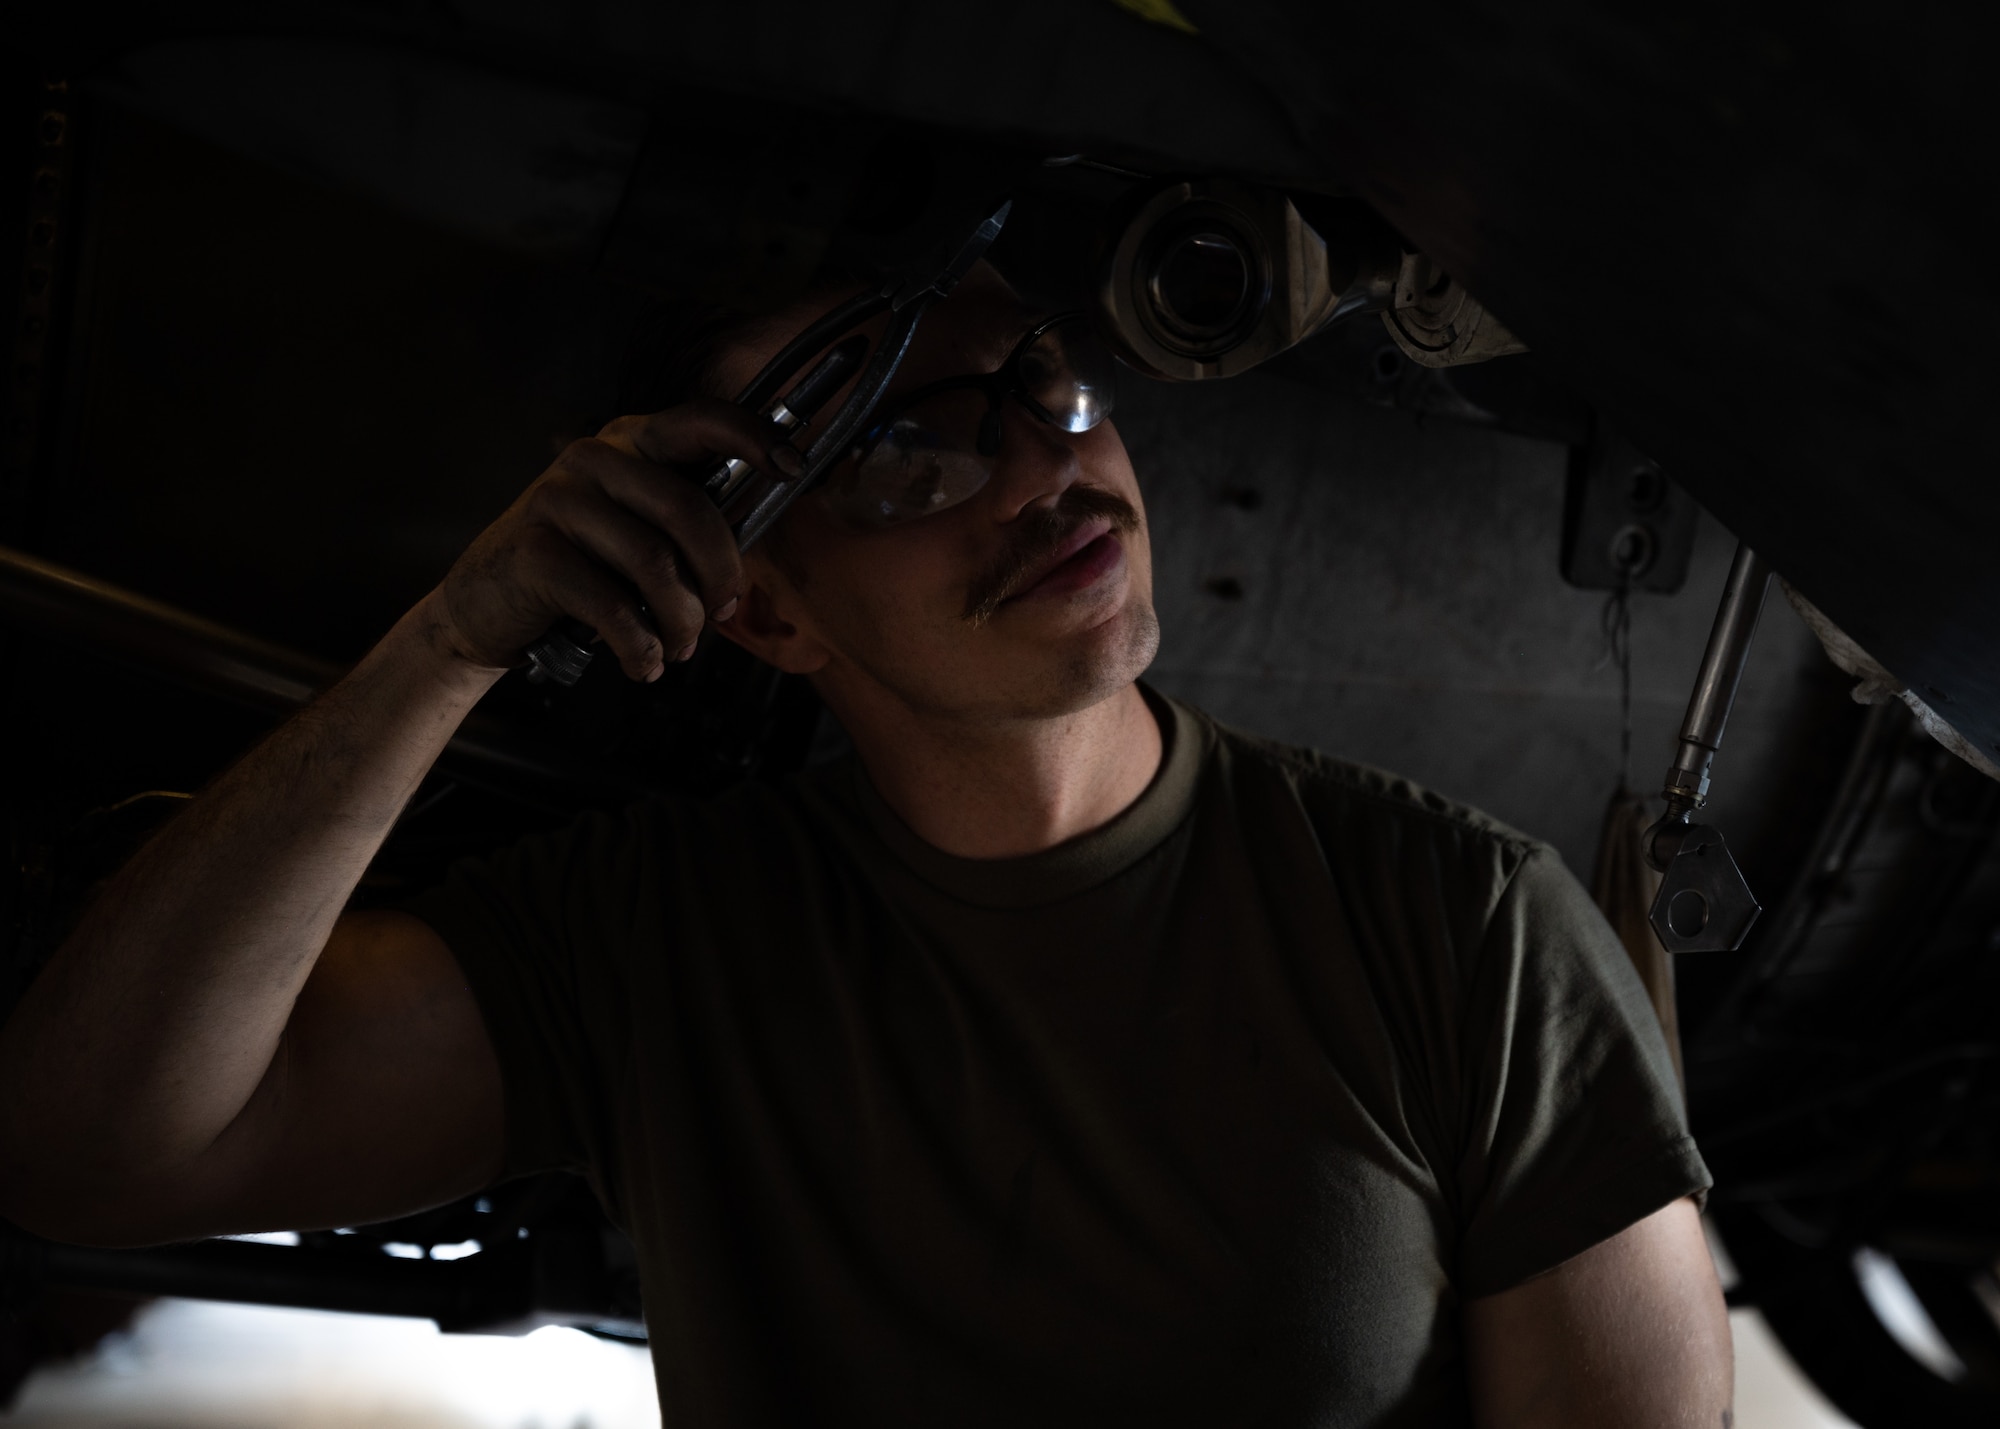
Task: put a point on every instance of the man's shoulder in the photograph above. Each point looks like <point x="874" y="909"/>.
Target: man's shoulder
<point x="1358" y="799"/>
<point x="1400" y="856"/>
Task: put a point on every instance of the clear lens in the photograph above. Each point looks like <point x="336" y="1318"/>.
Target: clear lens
<point x="927" y="461"/>
<point x="1068" y="376"/>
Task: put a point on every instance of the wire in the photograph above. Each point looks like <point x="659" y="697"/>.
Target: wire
<point x="1616" y="623"/>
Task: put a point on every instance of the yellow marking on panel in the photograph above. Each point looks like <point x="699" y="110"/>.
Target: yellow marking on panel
<point x="1160" y="12"/>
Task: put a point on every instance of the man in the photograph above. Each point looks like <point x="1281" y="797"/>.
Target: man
<point x="1060" y="1059"/>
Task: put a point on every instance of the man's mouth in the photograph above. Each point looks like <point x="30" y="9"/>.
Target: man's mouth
<point x="1055" y="552"/>
<point x="1088" y="554"/>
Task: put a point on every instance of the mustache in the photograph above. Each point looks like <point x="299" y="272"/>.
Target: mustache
<point x="1033" y="539"/>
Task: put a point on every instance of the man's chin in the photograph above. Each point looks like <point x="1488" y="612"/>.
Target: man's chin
<point x="1007" y="671"/>
<point x="1080" y="668"/>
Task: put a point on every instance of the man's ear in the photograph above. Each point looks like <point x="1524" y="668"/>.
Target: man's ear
<point x="760" y="627"/>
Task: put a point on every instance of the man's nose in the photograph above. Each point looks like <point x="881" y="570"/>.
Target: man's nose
<point x="1035" y="466"/>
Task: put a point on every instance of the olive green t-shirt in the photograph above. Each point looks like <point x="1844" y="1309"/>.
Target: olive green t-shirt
<point x="1211" y="1117"/>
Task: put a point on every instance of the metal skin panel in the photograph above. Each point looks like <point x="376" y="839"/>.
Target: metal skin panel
<point x="1759" y="246"/>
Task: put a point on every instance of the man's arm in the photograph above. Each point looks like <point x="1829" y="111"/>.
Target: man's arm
<point x="215" y="1047"/>
<point x="1631" y="1334"/>
<point x="135" y="1069"/>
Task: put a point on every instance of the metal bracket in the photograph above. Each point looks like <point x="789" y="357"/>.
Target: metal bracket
<point x="1438" y="323"/>
<point x="1626" y="525"/>
<point x="1704" y="904"/>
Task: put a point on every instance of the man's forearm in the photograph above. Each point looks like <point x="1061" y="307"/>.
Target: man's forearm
<point x="154" y="1023"/>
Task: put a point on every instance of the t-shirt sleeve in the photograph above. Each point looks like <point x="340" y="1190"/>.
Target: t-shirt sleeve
<point x="1574" y="1125"/>
<point x="544" y="932"/>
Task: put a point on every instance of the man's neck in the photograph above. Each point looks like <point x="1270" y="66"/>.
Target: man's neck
<point x="1011" y="788"/>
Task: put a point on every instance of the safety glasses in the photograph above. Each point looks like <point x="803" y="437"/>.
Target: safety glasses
<point x="935" y="448"/>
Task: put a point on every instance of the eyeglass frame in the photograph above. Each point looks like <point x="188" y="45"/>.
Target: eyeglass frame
<point x="998" y="384"/>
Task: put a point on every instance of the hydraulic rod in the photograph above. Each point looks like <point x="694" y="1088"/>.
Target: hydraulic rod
<point x="1686" y="788"/>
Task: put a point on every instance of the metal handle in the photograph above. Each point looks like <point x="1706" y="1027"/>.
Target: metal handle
<point x="562" y="655"/>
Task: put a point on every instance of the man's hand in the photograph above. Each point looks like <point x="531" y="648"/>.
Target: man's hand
<point x="619" y="520"/>
<point x="1631" y="1334"/>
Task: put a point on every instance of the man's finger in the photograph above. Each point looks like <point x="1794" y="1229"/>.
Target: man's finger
<point x="682" y="510"/>
<point x="584" y="588"/>
<point x="641" y="553"/>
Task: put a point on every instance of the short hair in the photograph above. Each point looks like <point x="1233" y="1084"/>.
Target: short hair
<point x="674" y="353"/>
<point x="676" y="346"/>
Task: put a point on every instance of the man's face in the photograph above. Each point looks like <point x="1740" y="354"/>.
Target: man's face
<point x="1031" y="599"/>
